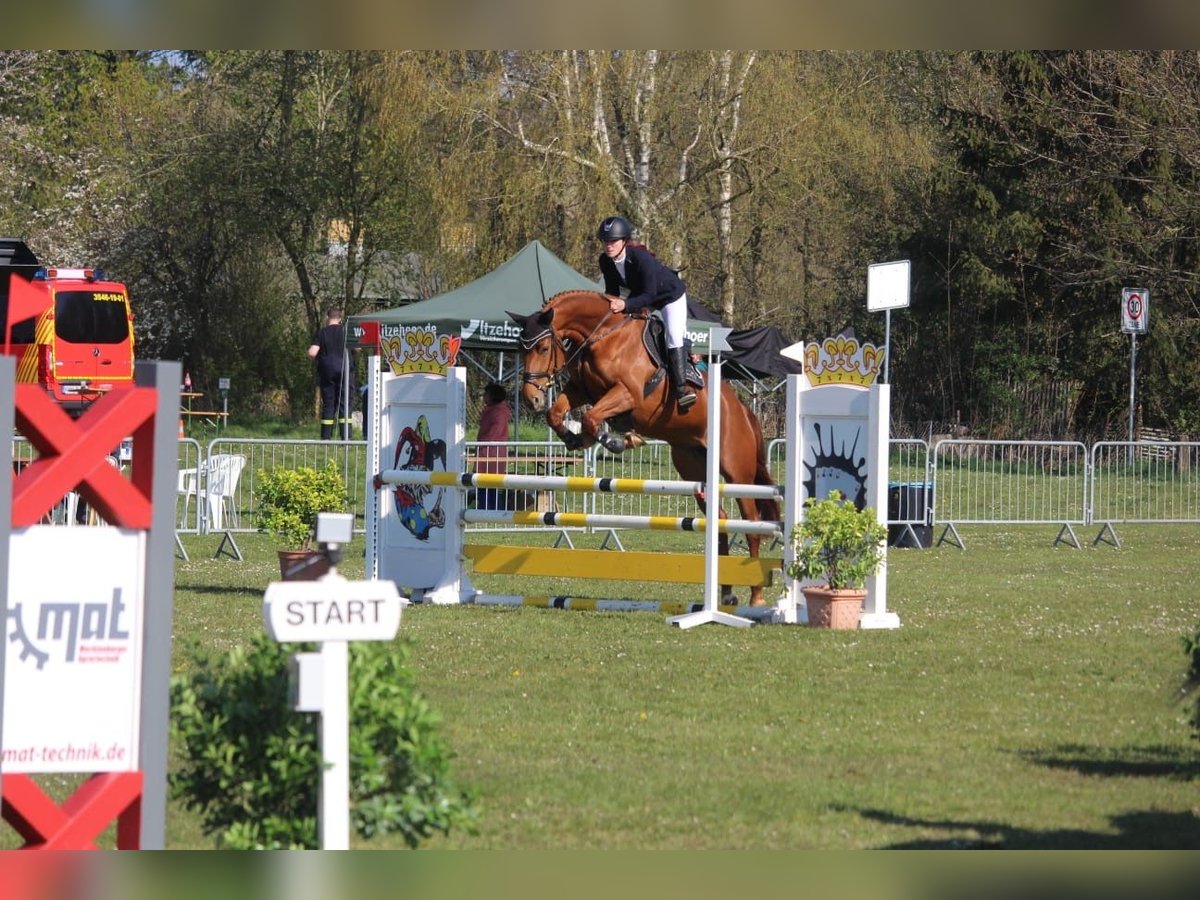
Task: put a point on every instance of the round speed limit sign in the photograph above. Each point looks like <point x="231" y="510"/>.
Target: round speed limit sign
<point x="1135" y="310"/>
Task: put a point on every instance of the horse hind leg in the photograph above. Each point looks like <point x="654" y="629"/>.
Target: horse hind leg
<point x="754" y="510"/>
<point x="728" y="595"/>
<point x="691" y="464"/>
<point x="740" y="467"/>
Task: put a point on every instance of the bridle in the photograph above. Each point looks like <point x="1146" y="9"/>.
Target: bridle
<point x="554" y="376"/>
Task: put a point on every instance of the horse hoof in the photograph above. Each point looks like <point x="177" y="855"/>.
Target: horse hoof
<point x="572" y="441"/>
<point x="612" y="443"/>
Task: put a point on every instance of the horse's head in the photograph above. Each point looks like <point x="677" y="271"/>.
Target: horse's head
<point x="541" y="356"/>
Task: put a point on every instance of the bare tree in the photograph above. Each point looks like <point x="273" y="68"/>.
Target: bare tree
<point x="646" y="128"/>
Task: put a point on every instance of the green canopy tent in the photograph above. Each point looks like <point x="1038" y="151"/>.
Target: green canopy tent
<point x="478" y="311"/>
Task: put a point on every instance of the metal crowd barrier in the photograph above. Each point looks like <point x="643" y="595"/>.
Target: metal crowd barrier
<point x="959" y="482"/>
<point x="23" y="453"/>
<point x="189" y="517"/>
<point x="910" y="493"/>
<point x="263" y="455"/>
<point x="1010" y="483"/>
<point x="1143" y="482"/>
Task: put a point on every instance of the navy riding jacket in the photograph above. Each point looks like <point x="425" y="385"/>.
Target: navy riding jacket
<point x="650" y="282"/>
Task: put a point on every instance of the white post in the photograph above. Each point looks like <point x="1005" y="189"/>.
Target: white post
<point x="372" y="423"/>
<point x="330" y="611"/>
<point x="875" y="612"/>
<point x="793" y="498"/>
<point x="712" y="493"/>
<point x="712" y="487"/>
<point x="1132" y="388"/>
<point x="333" y="816"/>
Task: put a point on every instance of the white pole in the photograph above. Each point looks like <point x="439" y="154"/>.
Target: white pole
<point x="334" y="801"/>
<point x="887" y="343"/>
<point x="1132" y="381"/>
<point x="1130" y="454"/>
<point x="712" y="489"/>
<point x="712" y="581"/>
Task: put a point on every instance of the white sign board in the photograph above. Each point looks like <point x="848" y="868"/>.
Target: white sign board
<point x="421" y="426"/>
<point x="332" y="609"/>
<point x="838" y="440"/>
<point x="1135" y="310"/>
<point x="887" y="285"/>
<point x="72" y="677"/>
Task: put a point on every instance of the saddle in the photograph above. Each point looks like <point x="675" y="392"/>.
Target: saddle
<point x="654" y="339"/>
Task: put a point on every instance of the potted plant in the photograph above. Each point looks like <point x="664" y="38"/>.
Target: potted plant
<point x="286" y="505"/>
<point x="839" y="547"/>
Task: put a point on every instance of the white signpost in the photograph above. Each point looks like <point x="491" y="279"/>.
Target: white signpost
<point x="1135" y="320"/>
<point x="887" y="289"/>
<point x="330" y="611"/>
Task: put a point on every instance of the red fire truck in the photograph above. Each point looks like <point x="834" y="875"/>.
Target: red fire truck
<point x="79" y="343"/>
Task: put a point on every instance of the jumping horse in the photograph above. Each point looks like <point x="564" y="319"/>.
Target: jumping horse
<point x="603" y="369"/>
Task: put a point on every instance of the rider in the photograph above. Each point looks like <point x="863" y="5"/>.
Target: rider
<point x="651" y="285"/>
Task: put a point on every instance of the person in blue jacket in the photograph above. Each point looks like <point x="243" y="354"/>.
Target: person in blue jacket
<point x="649" y="284"/>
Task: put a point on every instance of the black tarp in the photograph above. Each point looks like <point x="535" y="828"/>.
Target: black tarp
<point x="756" y="350"/>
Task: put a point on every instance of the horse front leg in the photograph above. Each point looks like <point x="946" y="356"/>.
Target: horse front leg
<point x="556" y="416"/>
<point x="615" y="401"/>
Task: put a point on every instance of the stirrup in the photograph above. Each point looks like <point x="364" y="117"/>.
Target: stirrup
<point x="686" y="401"/>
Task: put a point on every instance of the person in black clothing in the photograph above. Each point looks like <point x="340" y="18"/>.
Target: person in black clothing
<point x="648" y="284"/>
<point x="328" y="348"/>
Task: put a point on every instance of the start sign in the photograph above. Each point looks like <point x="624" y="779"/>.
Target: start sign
<point x="332" y="609"/>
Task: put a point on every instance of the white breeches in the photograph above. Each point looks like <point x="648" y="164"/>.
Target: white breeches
<point x="675" y="318"/>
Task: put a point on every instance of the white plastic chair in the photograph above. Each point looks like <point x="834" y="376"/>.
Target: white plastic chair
<point x="221" y="480"/>
<point x="189" y="487"/>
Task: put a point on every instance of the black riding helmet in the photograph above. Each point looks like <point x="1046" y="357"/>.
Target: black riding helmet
<point x="614" y="228"/>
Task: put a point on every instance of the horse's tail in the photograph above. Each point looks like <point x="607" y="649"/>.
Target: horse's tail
<point x="768" y="510"/>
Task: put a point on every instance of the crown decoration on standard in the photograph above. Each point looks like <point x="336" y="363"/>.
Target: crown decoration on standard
<point x="842" y="360"/>
<point x="410" y="349"/>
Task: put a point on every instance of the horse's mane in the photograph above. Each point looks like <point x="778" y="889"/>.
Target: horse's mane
<point x="570" y="292"/>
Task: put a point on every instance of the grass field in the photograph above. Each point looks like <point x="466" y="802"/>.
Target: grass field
<point x="1024" y="703"/>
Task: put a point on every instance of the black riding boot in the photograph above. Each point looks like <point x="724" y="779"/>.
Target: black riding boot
<point x="675" y="368"/>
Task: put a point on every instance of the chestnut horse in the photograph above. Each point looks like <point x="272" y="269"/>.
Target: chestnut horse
<point x="605" y="372"/>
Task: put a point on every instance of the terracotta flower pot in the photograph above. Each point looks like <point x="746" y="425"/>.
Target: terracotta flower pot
<point x="830" y="608"/>
<point x="302" y="565"/>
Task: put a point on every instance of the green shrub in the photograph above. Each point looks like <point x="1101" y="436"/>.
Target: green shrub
<point x="1191" y="684"/>
<point x="836" y="543"/>
<point x="288" y="501"/>
<point x="250" y="764"/>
